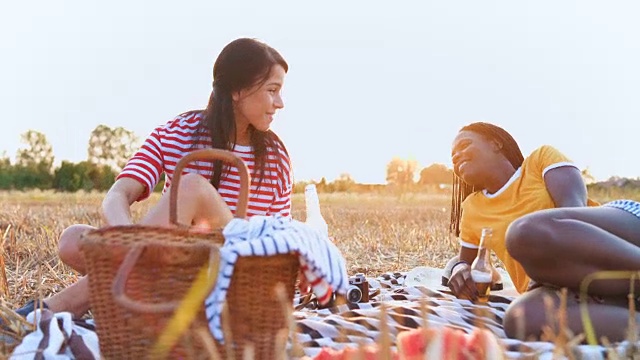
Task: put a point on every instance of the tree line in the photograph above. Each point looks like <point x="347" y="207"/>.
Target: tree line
<point x="400" y="177"/>
<point x="108" y="150"/>
<point x="402" y="173"/>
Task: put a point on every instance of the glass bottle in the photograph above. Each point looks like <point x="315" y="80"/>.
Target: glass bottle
<point x="481" y="273"/>
<point x="314" y="216"/>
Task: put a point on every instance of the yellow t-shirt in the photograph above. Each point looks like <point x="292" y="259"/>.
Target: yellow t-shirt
<point x="524" y="193"/>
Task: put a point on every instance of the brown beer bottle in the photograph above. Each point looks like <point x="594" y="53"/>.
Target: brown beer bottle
<point x="481" y="273"/>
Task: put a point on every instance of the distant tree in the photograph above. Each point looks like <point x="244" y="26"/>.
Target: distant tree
<point x="34" y="163"/>
<point x="587" y="176"/>
<point x="435" y="174"/>
<point x="70" y="177"/>
<point x="401" y="172"/>
<point x="343" y="183"/>
<point x="112" y="147"/>
<point x="6" y="172"/>
<point x="102" y="176"/>
<point x="37" y="154"/>
<point x="322" y="185"/>
<point x="83" y="176"/>
<point x="298" y="187"/>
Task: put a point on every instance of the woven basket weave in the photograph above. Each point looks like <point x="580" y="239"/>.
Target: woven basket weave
<point x="138" y="274"/>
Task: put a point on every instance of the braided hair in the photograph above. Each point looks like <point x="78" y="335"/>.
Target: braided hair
<point x="461" y="189"/>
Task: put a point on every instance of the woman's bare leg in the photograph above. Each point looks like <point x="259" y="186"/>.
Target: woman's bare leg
<point x="562" y="246"/>
<point x="75" y="297"/>
<point x="199" y="205"/>
<point x="69" y="246"/>
<point x="528" y="315"/>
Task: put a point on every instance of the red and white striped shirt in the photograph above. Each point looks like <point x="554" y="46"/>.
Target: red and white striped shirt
<point x="170" y="142"/>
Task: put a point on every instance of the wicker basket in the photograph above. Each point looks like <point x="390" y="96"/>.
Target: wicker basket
<point x="256" y="313"/>
<point x="138" y="274"/>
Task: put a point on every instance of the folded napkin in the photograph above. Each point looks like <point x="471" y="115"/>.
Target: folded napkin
<point x="321" y="261"/>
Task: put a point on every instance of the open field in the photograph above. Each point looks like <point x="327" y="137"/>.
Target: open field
<point x="376" y="233"/>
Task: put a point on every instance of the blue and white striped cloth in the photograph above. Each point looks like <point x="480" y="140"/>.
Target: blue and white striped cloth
<point x="321" y="261"/>
<point x="626" y="205"/>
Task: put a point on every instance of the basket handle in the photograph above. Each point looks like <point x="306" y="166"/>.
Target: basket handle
<point x="118" y="288"/>
<point x="210" y="154"/>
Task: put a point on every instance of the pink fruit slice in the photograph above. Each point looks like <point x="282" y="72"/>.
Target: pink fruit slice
<point x="482" y="344"/>
<point x="412" y="344"/>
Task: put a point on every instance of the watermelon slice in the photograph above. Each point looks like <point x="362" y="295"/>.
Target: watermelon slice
<point x="441" y="343"/>
<point x="453" y="342"/>
<point x="368" y="352"/>
<point x="428" y="344"/>
<point x="328" y="354"/>
<point x="412" y="344"/>
<point x="482" y="344"/>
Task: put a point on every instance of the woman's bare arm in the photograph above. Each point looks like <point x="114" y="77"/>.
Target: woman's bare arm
<point x="116" y="204"/>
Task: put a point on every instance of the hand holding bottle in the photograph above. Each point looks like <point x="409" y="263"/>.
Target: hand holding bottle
<point x="481" y="269"/>
<point x="461" y="283"/>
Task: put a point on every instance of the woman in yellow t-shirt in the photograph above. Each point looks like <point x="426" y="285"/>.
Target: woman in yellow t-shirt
<point x="496" y="186"/>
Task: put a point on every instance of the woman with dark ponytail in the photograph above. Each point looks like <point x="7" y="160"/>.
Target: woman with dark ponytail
<point x="248" y="76"/>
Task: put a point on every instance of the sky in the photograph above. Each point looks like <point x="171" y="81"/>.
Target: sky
<point x="368" y="80"/>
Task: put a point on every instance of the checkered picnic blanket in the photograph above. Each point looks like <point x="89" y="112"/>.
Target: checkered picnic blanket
<point x="339" y="327"/>
<point x="355" y="324"/>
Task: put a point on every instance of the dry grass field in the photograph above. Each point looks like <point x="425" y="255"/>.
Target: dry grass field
<point x="376" y="234"/>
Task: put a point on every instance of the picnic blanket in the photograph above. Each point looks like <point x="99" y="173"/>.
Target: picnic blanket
<point x="354" y="324"/>
<point x="346" y="325"/>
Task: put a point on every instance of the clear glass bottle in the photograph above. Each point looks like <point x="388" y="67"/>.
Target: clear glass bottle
<point x="481" y="272"/>
<point x="314" y="216"/>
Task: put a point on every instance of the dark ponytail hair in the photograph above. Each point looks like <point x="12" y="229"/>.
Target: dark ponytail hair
<point x="242" y="64"/>
<point x="461" y="189"/>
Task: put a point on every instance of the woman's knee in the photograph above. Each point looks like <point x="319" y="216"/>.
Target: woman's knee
<point x="195" y="188"/>
<point x="530" y="236"/>
<point x="196" y="192"/>
<point x="517" y="325"/>
<point x="514" y="321"/>
<point x="528" y="314"/>
<point x="194" y="184"/>
<point x="69" y="245"/>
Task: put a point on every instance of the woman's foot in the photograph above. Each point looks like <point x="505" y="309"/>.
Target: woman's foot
<point x="31" y="306"/>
